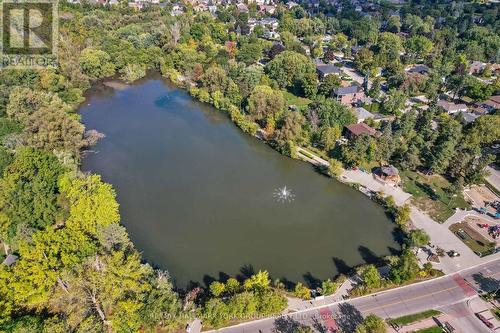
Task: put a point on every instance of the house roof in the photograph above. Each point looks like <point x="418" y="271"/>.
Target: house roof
<point x="448" y="106"/>
<point x="327" y="69"/>
<point x="469" y="117"/>
<point x="362" y="113"/>
<point x="494" y="102"/>
<point x="389" y="170"/>
<point x="347" y="90"/>
<point x="361" y="128"/>
<point x="421" y="69"/>
<point x="11" y="258"/>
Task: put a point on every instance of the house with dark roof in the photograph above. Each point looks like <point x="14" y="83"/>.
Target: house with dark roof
<point x="349" y="95"/>
<point x="355" y="130"/>
<point x="325" y="70"/>
<point x="493" y="103"/>
<point x="388" y="174"/>
<point x="419" y="69"/>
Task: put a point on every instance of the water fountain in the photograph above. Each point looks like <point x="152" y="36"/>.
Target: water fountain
<point x="283" y="195"/>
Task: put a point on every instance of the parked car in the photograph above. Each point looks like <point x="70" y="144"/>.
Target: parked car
<point x="453" y="254"/>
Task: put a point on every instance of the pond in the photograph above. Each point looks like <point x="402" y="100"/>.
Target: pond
<point x="198" y="196"/>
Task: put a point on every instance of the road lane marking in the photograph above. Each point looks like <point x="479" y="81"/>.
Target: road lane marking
<point x="336" y="303"/>
<point x="421" y="296"/>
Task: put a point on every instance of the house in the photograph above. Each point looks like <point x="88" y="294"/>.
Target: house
<point x="493" y="103"/>
<point x="476" y="67"/>
<point x="362" y="114"/>
<point x="270" y="23"/>
<point x="349" y="95"/>
<point x="11" y="259"/>
<point x="291" y="4"/>
<point x="420" y="69"/>
<point x="450" y="107"/>
<point x="325" y="70"/>
<point x="388" y="174"/>
<point x="355" y="130"/>
<point x="469" y="117"/>
<point x="242" y="8"/>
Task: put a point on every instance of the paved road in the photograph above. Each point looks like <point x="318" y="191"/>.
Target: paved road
<point x="448" y="293"/>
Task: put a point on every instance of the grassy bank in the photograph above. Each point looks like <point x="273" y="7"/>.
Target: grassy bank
<point x="433" y="194"/>
<point x="413" y="318"/>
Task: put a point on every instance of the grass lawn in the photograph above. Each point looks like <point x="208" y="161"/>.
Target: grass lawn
<point x="373" y="108"/>
<point x="291" y="99"/>
<point x="433" y="329"/>
<point x="412" y="318"/>
<point x="430" y="194"/>
<point x="474" y="240"/>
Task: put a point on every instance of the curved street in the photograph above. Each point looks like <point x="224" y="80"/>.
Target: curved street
<point x="452" y="294"/>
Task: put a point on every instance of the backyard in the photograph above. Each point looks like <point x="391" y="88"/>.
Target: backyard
<point x="433" y="194"/>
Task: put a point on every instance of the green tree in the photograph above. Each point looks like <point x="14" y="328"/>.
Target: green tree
<point x="265" y="104"/>
<point x="232" y="286"/>
<point x="335" y="168"/>
<point x="250" y="53"/>
<point x="328" y="287"/>
<point x="29" y="190"/>
<point x="394" y="102"/>
<point x="359" y="151"/>
<point x="418" y="47"/>
<point x="364" y="60"/>
<point x="332" y="113"/>
<point x="329" y="137"/>
<point x="216" y="312"/>
<point x="217" y="288"/>
<point x="330" y="83"/>
<point x="53" y="129"/>
<point x="406" y="268"/>
<point x="96" y="63"/>
<point x="289" y="67"/>
<point x="372" y="324"/>
<point x="418" y="238"/>
<point x="302" y="291"/>
<point x="371" y="277"/>
<point x="257" y="282"/>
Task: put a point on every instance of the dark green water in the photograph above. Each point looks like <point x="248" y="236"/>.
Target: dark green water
<point x="196" y="194"/>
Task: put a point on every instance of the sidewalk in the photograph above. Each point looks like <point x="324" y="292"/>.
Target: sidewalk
<point x="367" y="180"/>
<point x="296" y="304"/>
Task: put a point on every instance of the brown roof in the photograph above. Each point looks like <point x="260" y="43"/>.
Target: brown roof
<point x="361" y="128"/>
<point x="494" y="102"/>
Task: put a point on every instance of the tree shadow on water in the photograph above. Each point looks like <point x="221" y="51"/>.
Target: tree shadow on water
<point x="311" y="281"/>
<point x="368" y="255"/>
<point x="349" y="317"/>
<point x="486" y="283"/>
<point x="208" y="279"/>
<point x="341" y="266"/>
<point x="247" y="271"/>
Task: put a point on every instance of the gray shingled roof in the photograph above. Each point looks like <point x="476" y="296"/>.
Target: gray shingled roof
<point x="328" y="69"/>
<point x="362" y="113"/>
<point x="346" y="90"/>
<point x="11" y="258"/>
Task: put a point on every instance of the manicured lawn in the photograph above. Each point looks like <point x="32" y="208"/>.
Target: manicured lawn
<point x="409" y="319"/>
<point x="291" y="99"/>
<point x="430" y="194"/>
<point x="474" y="240"/>
<point x="434" y="329"/>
